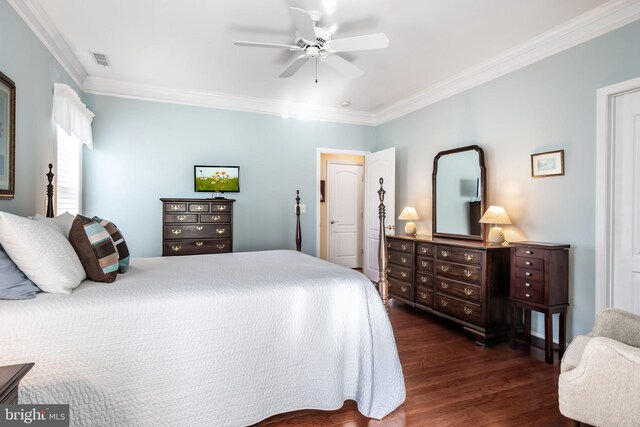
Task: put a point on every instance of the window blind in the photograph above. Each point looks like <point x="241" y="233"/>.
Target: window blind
<point x="68" y="176"/>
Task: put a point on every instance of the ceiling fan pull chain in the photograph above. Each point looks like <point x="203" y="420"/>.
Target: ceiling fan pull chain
<point x="316" y="69"/>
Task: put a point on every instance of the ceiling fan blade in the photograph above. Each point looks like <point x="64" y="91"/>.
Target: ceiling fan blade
<point x="342" y="66"/>
<point x="370" y="41"/>
<point x="304" y="24"/>
<point x="294" y="67"/>
<point x="271" y="45"/>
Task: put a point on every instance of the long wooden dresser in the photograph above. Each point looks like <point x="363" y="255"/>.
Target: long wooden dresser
<point x="197" y="226"/>
<point x="464" y="281"/>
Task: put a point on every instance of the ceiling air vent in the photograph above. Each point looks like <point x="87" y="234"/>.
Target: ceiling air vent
<point x="101" y="59"/>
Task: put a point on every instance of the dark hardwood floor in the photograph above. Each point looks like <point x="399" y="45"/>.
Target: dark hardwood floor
<point x="452" y="382"/>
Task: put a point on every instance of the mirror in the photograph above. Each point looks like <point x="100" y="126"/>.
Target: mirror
<point x="7" y="137"/>
<point x="459" y="194"/>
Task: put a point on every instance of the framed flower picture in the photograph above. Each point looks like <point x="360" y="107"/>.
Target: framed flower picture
<point x="550" y="163"/>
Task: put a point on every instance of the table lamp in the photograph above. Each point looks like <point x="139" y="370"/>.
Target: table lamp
<point x="409" y="214"/>
<point x="495" y="215"/>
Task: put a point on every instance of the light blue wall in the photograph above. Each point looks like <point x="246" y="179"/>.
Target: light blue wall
<point x="26" y="61"/>
<point x="546" y="106"/>
<point x="146" y="150"/>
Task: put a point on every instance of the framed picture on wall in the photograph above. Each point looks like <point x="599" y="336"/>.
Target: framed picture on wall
<point x="550" y="163"/>
<point x="322" y="191"/>
<point x="7" y="137"/>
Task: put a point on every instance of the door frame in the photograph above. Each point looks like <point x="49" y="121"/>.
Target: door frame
<point x="348" y="163"/>
<point x="319" y="153"/>
<point x="605" y="207"/>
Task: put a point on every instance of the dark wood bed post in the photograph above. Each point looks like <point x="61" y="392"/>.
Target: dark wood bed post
<point x="383" y="283"/>
<point x="50" y="213"/>
<point x="298" y="230"/>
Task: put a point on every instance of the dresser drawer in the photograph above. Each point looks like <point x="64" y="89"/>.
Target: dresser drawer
<point x="400" y="273"/>
<point x="528" y="273"/>
<point x="424" y="279"/>
<point x="424" y="296"/>
<point x="400" y="245"/>
<point x="215" y="217"/>
<point x="220" y="207"/>
<point x="400" y="258"/>
<point x="401" y="289"/>
<point x="529" y="263"/>
<point x="458" y="271"/>
<point x="198" y="207"/>
<point x="454" y="307"/>
<point x="461" y="290"/>
<point x="528" y="252"/>
<point x="178" y="218"/>
<point x="462" y="256"/>
<point x="424" y="264"/>
<point x="425" y="249"/>
<point x="533" y="294"/>
<point x="196" y="247"/>
<point x="197" y="231"/>
<point x="175" y="207"/>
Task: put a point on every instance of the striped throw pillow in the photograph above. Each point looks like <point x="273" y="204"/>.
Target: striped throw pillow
<point x="95" y="248"/>
<point x="118" y="240"/>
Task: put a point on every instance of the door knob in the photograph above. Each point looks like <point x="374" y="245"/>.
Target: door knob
<point x="390" y="227"/>
<point x="333" y="222"/>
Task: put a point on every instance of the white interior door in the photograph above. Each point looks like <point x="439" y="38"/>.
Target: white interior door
<point x="381" y="164"/>
<point x="626" y="201"/>
<point x="344" y="212"/>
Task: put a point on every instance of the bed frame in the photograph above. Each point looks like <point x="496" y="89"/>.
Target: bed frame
<point x="383" y="284"/>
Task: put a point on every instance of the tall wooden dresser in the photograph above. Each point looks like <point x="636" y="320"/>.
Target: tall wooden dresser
<point x="464" y="281"/>
<point x="197" y="226"/>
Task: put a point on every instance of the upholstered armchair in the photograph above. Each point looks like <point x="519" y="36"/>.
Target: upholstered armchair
<point x="599" y="382"/>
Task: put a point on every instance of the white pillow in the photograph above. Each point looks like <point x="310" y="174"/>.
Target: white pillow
<point x="61" y="222"/>
<point x="42" y="253"/>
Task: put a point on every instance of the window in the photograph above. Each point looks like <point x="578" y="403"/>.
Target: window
<point x="69" y="173"/>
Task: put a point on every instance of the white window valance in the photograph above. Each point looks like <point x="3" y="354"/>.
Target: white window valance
<point x="71" y="114"/>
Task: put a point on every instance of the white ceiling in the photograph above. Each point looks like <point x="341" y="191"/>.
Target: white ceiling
<point x="187" y="45"/>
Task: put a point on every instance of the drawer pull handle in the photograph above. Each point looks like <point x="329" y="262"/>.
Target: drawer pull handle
<point x="388" y="245"/>
<point x="528" y="285"/>
<point x="467" y="310"/>
<point x="444" y="303"/>
<point x="404" y="260"/>
<point x="199" y="243"/>
<point x="220" y="230"/>
<point x="424" y="263"/>
<point x="423" y="295"/>
<point x="423" y="279"/>
<point x="444" y="285"/>
<point x="199" y="207"/>
<point x="425" y="250"/>
<point x="220" y="246"/>
<point x="221" y="207"/>
<point x="468" y="257"/>
<point x="176" y="248"/>
<point x="403" y="289"/>
<point x="182" y="218"/>
<point x="176" y="231"/>
<point x="215" y="218"/>
<point x="528" y="252"/>
<point x="444" y="268"/>
<point x="527" y="263"/>
<point x="467" y="273"/>
<point x="468" y="291"/>
<point x="175" y="207"/>
<point x="403" y="247"/>
<point x="403" y="274"/>
<point x="527" y="274"/>
<point x="388" y="256"/>
<point x="527" y="295"/>
<point x="199" y="227"/>
<point x="445" y="253"/>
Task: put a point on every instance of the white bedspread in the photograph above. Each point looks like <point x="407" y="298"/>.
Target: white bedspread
<point x="207" y="340"/>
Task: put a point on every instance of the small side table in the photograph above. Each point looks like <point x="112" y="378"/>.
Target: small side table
<point x="10" y="377"/>
<point x="539" y="282"/>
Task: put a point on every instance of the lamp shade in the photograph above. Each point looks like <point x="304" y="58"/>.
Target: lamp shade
<point x="495" y="215"/>
<point x="409" y="214"/>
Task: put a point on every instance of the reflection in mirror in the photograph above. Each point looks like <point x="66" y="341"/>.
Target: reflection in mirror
<point x="458" y="189"/>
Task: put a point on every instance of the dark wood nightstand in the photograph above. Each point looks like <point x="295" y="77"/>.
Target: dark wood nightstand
<point x="10" y="377"/>
<point x="539" y="282"/>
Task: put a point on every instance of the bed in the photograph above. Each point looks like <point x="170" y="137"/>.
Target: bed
<point x="227" y="339"/>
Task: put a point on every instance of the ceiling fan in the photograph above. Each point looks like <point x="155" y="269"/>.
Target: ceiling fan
<point x="315" y="43"/>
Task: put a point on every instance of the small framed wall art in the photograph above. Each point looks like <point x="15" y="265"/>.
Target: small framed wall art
<point x="7" y="137"/>
<point x="550" y="163"/>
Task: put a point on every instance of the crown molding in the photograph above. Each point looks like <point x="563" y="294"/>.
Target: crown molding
<point x="123" y="89"/>
<point x="36" y="18"/>
<point x="596" y="22"/>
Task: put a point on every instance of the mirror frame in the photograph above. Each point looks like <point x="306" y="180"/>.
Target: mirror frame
<point x="483" y="193"/>
<point x="10" y="131"/>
